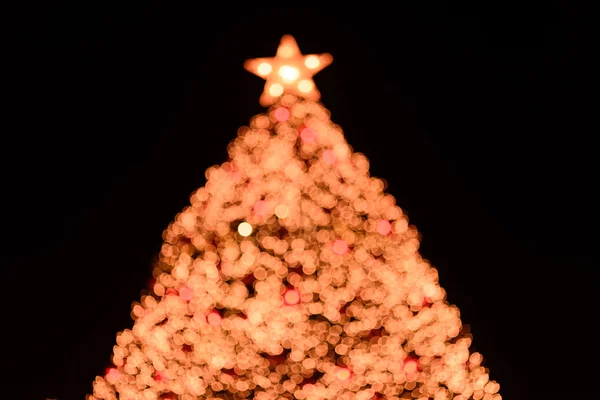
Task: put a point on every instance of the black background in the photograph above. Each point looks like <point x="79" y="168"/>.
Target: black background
<point x="476" y="117"/>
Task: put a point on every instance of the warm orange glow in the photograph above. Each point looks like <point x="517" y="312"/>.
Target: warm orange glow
<point x="292" y="297"/>
<point x="343" y="374"/>
<point x="329" y="157"/>
<point x="292" y="274"/>
<point x="281" y="211"/>
<point x="288" y="71"/>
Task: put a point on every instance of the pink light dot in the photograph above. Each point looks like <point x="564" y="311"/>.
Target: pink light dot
<point x="308" y="135"/>
<point x="214" y="318"/>
<point x="281" y="114"/>
<point x="261" y="208"/>
<point x="340" y="247"/>
<point x="112" y="373"/>
<point x="329" y="157"/>
<point x="291" y="297"/>
<point x="410" y="366"/>
<point x="186" y="293"/>
<point x="384" y="227"/>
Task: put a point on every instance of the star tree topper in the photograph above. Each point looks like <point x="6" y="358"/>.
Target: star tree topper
<point x="288" y="71"/>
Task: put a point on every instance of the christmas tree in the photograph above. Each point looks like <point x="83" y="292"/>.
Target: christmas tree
<point x="293" y="275"/>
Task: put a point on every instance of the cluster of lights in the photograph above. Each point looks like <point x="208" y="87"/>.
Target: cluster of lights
<point x="293" y="275"/>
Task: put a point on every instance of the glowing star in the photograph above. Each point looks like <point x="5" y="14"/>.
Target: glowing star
<point x="288" y="71"/>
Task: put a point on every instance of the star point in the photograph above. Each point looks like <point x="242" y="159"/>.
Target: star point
<point x="288" y="71"/>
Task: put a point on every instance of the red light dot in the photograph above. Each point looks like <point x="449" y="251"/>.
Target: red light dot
<point x="340" y="247"/>
<point x="160" y="376"/>
<point x="329" y="157"/>
<point x="308" y="135"/>
<point x="291" y="297"/>
<point x="186" y="293"/>
<point x="171" y="291"/>
<point x="384" y="227"/>
<point x="214" y="318"/>
<point x="281" y="114"/>
<point x="410" y="366"/>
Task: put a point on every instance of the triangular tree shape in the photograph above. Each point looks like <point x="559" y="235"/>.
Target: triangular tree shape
<point x="293" y="275"/>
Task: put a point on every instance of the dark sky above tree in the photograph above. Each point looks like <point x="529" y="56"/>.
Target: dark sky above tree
<point x="476" y="117"/>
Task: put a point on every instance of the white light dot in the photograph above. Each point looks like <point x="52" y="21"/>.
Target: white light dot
<point x="305" y="86"/>
<point x="312" y="62"/>
<point x="289" y="74"/>
<point x="244" y="229"/>
<point x="264" y="69"/>
<point x="276" y="90"/>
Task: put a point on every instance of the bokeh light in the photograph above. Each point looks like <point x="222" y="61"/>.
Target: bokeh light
<point x="329" y="157"/>
<point x="305" y="86"/>
<point x="264" y="68"/>
<point x="281" y="114"/>
<point x="384" y="227"/>
<point x="245" y="229"/>
<point x="214" y="318"/>
<point x="291" y="297"/>
<point x="308" y="135"/>
<point x="289" y="73"/>
<point x="276" y="90"/>
<point x="312" y="62"/>
<point x="293" y="275"/>
<point x="340" y="247"/>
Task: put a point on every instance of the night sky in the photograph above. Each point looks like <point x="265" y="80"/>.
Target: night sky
<point x="475" y="117"/>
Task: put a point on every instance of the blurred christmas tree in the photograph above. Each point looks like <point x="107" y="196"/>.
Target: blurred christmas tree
<point x="292" y="275"/>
